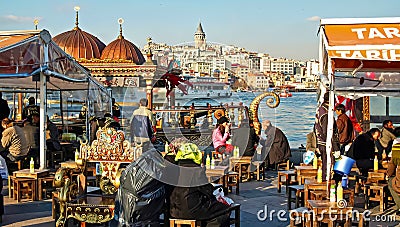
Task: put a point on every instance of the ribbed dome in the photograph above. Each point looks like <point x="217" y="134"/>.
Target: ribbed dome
<point x="80" y="44"/>
<point x="122" y="49"/>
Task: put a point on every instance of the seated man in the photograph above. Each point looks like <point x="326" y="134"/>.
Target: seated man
<point x="193" y="197"/>
<point x="393" y="172"/>
<point x="276" y="146"/>
<point x="141" y="196"/>
<point x="245" y="138"/>
<point x="13" y="141"/>
<point x="52" y="136"/>
<point x="363" y="150"/>
<point x="32" y="135"/>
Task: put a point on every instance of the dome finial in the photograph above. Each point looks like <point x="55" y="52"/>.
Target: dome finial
<point x="120" y="22"/>
<point x="77" y="8"/>
<point x="36" y="22"/>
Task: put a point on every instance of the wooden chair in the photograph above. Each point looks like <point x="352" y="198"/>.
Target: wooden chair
<point x="194" y="223"/>
<point x="287" y="175"/>
<point x="308" y="188"/>
<point x="232" y="179"/>
<point x="283" y="166"/>
<point x="306" y="174"/>
<point x="110" y="150"/>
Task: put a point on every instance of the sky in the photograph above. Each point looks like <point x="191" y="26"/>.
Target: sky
<point x="281" y="28"/>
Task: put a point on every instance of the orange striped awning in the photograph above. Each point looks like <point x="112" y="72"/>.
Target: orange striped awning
<point x="12" y="39"/>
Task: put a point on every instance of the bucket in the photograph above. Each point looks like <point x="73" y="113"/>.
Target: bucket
<point x="344" y="165"/>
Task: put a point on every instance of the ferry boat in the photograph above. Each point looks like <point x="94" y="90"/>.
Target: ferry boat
<point x="204" y="87"/>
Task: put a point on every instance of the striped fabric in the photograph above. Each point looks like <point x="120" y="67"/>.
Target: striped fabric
<point x="14" y="141"/>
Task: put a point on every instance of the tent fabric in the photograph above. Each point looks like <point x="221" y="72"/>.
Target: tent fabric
<point x="22" y="60"/>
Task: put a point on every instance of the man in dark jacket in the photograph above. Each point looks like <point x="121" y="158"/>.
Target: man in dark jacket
<point x="30" y="109"/>
<point x="344" y="127"/>
<point x="245" y="138"/>
<point x="363" y="149"/>
<point x="142" y="125"/>
<point x="276" y="142"/>
<point x="141" y="194"/>
<point x="321" y="132"/>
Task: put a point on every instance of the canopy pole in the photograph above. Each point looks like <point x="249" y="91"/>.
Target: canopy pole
<point x="42" y="96"/>
<point x="329" y="135"/>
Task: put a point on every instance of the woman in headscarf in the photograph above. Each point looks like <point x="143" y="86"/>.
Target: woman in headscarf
<point x="393" y="172"/>
<point x="193" y="197"/>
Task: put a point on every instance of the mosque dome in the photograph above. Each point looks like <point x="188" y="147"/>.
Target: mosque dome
<point x="122" y="49"/>
<point x="80" y="44"/>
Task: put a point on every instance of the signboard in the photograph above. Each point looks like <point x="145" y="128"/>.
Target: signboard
<point x="119" y="81"/>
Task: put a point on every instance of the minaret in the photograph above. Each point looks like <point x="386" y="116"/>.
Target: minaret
<point x="200" y="38"/>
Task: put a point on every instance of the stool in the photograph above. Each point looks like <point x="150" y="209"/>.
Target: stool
<point x="24" y="186"/>
<point x="232" y="179"/>
<point x="45" y="185"/>
<point x="287" y="174"/>
<point x="56" y="156"/>
<point x="299" y="193"/>
<point x="360" y="181"/>
<point x="379" y="191"/>
<point x="260" y="170"/>
<point x="179" y="222"/>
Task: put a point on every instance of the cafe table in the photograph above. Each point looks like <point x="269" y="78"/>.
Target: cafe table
<point x="324" y="211"/>
<point x="38" y="175"/>
<point x="217" y="172"/>
<point x="239" y="162"/>
<point x="305" y="171"/>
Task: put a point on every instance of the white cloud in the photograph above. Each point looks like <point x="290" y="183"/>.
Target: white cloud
<point x="314" y="18"/>
<point x="18" y="18"/>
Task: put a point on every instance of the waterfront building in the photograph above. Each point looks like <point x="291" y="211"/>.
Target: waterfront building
<point x="120" y="65"/>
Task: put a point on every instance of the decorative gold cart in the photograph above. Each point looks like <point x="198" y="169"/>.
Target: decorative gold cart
<point x="109" y="150"/>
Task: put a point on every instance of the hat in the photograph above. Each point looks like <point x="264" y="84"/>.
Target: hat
<point x="222" y="120"/>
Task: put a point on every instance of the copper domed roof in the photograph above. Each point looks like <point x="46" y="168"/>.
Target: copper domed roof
<point x="80" y="44"/>
<point x="122" y="49"/>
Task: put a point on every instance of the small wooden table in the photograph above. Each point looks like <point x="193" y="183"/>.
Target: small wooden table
<point x="217" y="171"/>
<point x="36" y="176"/>
<point x="323" y="210"/>
<point x="239" y="162"/>
<point x="305" y="171"/>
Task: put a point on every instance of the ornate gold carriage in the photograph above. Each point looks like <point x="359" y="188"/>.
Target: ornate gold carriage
<point x="109" y="150"/>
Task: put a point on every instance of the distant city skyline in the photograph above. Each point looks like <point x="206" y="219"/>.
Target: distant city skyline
<point x="280" y="28"/>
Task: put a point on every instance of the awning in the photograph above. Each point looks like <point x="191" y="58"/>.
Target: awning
<point x="373" y="43"/>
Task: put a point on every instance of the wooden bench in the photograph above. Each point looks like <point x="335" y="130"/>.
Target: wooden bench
<point x="109" y="150"/>
<point x="194" y="223"/>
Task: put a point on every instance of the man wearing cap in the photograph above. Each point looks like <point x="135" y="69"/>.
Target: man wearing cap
<point x="30" y="109"/>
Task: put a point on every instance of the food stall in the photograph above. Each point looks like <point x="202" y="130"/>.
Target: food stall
<point x="31" y="62"/>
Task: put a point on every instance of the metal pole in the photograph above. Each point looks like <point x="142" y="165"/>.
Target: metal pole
<point x="42" y="95"/>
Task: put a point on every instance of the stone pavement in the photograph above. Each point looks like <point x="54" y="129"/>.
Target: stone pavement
<point x="254" y="196"/>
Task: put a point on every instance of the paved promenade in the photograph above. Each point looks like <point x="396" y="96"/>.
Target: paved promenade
<point x="254" y="196"/>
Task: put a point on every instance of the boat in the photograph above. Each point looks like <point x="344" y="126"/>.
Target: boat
<point x="204" y="87"/>
<point x="285" y="93"/>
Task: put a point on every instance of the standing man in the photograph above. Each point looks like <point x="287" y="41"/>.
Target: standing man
<point x="30" y="109"/>
<point x="386" y="140"/>
<point x="116" y="110"/>
<point x="321" y="131"/>
<point x="344" y="127"/>
<point x="143" y="125"/>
